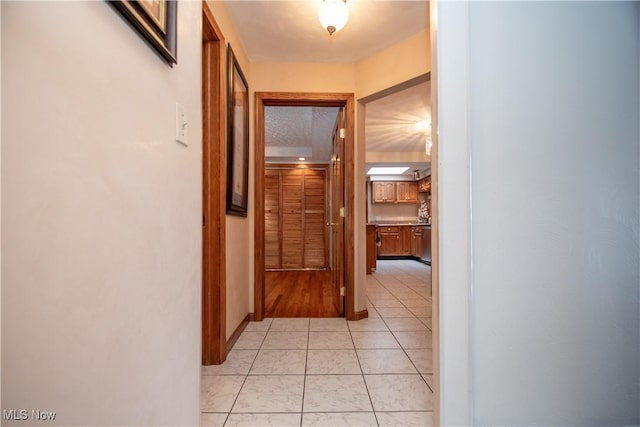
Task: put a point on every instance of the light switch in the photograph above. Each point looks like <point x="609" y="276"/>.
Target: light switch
<point x="181" y="125"/>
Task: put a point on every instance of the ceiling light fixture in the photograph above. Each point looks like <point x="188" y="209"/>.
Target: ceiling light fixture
<point x="302" y="159"/>
<point x="333" y="15"/>
<point x="424" y="126"/>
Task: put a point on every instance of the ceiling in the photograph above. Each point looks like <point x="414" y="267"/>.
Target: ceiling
<point x="390" y="122"/>
<point x="391" y="135"/>
<point x="293" y="132"/>
<point x="289" y="31"/>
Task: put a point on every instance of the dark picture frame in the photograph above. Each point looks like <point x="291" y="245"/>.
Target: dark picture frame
<point x="155" y="21"/>
<point x="237" y="137"/>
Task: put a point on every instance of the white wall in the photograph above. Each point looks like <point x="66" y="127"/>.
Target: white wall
<point x="101" y="219"/>
<point x="549" y="93"/>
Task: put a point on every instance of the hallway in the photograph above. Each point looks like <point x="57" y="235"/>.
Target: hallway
<point x="305" y="372"/>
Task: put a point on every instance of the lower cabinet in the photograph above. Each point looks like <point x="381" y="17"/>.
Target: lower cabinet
<point x="403" y="241"/>
<point x="390" y="241"/>
<point x="372" y="248"/>
<point x="407" y="240"/>
<point x="416" y="242"/>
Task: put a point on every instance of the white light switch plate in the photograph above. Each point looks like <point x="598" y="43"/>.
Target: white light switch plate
<point x="181" y="125"/>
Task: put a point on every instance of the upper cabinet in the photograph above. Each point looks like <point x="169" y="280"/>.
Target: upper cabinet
<point x="384" y="192"/>
<point x="395" y="191"/>
<point x="407" y="192"/>
<point x="424" y="185"/>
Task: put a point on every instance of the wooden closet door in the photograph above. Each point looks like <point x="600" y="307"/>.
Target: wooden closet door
<point x="292" y="219"/>
<point x="314" y="219"/>
<point x="272" y="227"/>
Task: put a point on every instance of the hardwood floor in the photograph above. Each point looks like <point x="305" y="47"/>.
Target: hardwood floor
<point x="300" y="294"/>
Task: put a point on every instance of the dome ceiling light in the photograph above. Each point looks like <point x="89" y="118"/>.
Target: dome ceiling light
<point x="333" y="15"/>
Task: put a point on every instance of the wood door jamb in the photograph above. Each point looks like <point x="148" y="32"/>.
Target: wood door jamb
<point x="213" y="192"/>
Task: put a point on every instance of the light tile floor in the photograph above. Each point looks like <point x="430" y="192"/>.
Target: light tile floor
<point x="330" y="372"/>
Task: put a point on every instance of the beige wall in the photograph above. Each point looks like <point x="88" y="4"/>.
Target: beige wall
<point x="101" y="218"/>
<point x="381" y="212"/>
<point x="293" y="77"/>
<point x="381" y="71"/>
<point x="239" y="230"/>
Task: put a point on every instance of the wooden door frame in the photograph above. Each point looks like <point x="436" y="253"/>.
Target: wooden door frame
<point x="214" y="345"/>
<point x="337" y="168"/>
<point x="305" y="99"/>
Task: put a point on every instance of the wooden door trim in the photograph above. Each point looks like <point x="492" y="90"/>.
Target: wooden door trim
<point x="214" y="345"/>
<point x="303" y="99"/>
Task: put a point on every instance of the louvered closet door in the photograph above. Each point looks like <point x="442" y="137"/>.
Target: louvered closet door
<point x="292" y="227"/>
<point x="272" y="229"/>
<point x="314" y="219"/>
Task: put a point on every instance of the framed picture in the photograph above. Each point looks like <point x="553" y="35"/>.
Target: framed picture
<point x="237" y="137"/>
<point x="155" y="21"/>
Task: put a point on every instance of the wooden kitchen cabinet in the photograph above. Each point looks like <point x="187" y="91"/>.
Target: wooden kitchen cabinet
<point x="396" y="240"/>
<point x="424" y="185"/>
<point x="407" y="237"/>
<point x="416" y="242"/>
<point x="405" y="241"/>
<point x="372" y="248"/>
<point x="390" y="241"/>
<point x="383" y="192"/>
<point x="407" y="192"/>
<point x="395" y="191"/>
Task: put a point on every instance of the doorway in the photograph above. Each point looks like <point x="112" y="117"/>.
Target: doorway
<point x="339" y="215"/>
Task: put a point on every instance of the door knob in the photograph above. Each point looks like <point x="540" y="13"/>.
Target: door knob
<point x="332" y="224"/>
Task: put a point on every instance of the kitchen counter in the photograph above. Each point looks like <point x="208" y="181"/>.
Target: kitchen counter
<point x="397" y="224"/>
<point x="400" y="239"/>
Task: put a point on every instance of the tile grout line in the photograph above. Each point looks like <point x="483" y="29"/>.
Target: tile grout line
<point x="364" y="380"/>
<point x="248" y="372"/>
<point x="306" y="362"/>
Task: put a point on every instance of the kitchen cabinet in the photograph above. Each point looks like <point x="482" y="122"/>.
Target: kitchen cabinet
<point x="384" y="192"/>
<point x="424" y="185"/>
<point x="390" y="241"/>
<point x="395" y="191"/>
<point x="416" y="242"/>
<point x="407" y="237"/>
<point x="372" y="248"/>
<point x="407" y="192"/>
<point x="404" y="241"/>
<point x="400" y="240"/>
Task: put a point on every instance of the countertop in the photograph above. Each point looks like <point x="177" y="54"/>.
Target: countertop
<point x="397" y="224"/>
